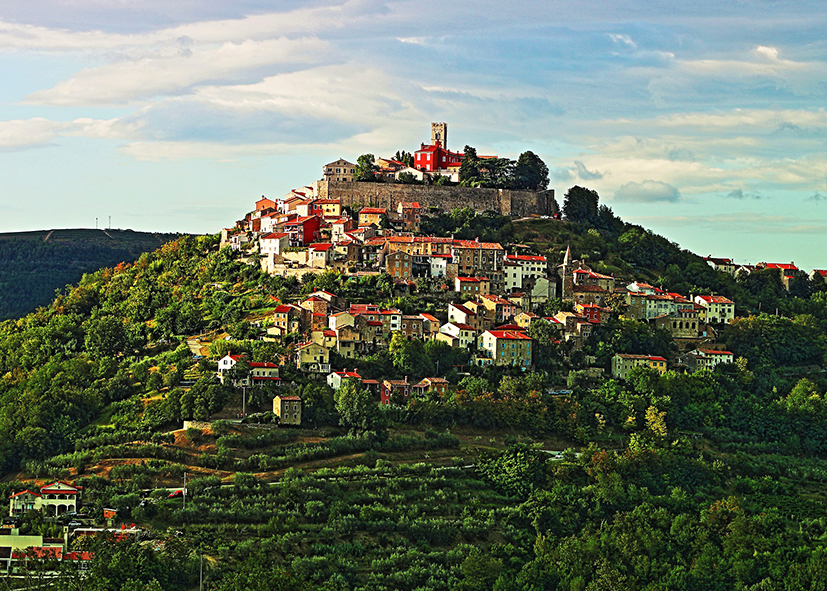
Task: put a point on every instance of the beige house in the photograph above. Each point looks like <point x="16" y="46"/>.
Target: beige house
<point x="313" y="357"/>
<point x="339" y="171"/>
<point x="622" y="364"/>
<point x="507" y="347"/>
<point x="288" y="409"/>
<point x="716" y="309"/>
<point x="53" y="499"/>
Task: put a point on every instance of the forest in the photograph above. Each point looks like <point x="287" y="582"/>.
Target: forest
<point x="541" y="480"/>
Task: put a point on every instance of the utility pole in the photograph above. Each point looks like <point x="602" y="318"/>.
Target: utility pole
<point x="110" y="222"/>
<point x="96" y="223"/>
<point x="185" y="490"/>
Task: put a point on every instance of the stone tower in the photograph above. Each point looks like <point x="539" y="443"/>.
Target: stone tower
<point x="439" y="132"/>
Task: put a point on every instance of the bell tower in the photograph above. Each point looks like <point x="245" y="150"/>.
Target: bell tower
<point x="439" y="132"/>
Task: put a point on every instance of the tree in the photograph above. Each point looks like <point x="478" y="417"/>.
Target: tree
<point x="365" y="169"/>
<point x="530" y="172"/>
<point x="106" y="336"/>
<point x="404" y="157"/>
<point x="407" y="178"/>
<point x="469" y="168"/>
<point x="357" y="407"/>
<point x="580" y="205"/>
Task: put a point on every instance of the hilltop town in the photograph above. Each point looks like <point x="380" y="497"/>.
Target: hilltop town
<point x="387" y="381"/>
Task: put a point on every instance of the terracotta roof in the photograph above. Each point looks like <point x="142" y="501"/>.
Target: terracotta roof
<point x="525" y="257"/>
<point x="509" y="335"/>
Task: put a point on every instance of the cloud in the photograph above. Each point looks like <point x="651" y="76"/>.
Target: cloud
<point x="621" y="39"/>
<point x="40" y="132"/>
<point x="174" y="69"/>
<point x="741" y="194"/>
<point x="647" y="192"/>
<point x="585" y="174"/>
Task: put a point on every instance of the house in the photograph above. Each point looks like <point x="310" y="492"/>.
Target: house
<point x="787" y="272"/>
<point x="475" y="258"/>
<point x="589" y="294"/>
<point x="325" y="337"/>
<point x="320" y="254"/>
<point x="410" y="213"/>
<point x="340" y="319"/>
<point x="463" y="315"/>
<point x="442" y="265"/>
<point x="265" y="204"/>
<point x="53" y="499"/>
<point x="721" y="264"/>
<point x="497" y="309"/>
<point x="329" y="208"/>
<point x="412" y="326"/>
<point x="716" y="309"/>
<point x="682" y="324"/>
<point x="585" y="276"/>
<point x="593" y="313"/>
<point x="706" y="359"/>
<point x="349" y="342"/>
<point x="313" y="357"/>
<point x="818" y="276"/>
<point x="273" y="243"/>
<point x="430" y="326"/>
<point x="472" y="286"/>
<point x="458" y="335"/>
<point x="226" y="363"/>
<point x="335" y="379"/>
<point x="436" y="157"/>
<point x="303" y="230"/>
<point x="396" y="391"/>
<point x="264" y="372"/>
<point x="399" y="265"/>
<point x="518" y="268"/>
<point x="436" y="385"/>
<point x="372" y="215"/>
<point x="623" y="363"/>
<point x="507" y="347"/>
<point x="286" y="319"/>
<point x="288" y="409"/>
<point x="339" y="171"/>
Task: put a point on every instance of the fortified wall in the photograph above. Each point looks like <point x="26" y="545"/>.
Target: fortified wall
<point x="388" y="195"/>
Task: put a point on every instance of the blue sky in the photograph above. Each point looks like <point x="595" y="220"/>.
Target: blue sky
<point x="704" y="121"/>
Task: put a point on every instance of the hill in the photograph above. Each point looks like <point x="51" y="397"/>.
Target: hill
<point x="37" y="263"/>
<point x="710" y="480"/>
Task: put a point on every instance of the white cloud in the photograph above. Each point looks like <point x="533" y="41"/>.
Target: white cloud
<point x="647" y="192"/>
<point x="38" y="131"/>
<point x="168" y="72"/>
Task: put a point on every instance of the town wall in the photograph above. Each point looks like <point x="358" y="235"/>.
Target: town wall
<point x="388" y="195"/>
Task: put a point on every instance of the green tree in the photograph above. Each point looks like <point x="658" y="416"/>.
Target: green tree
<point x="365" y="169"/>
<point x="530" y="172"/>
<point x="357" y="407"/>
<point x="106" y="336"/>
<point x="580" y="205"/>
<point x="404" y="157"/>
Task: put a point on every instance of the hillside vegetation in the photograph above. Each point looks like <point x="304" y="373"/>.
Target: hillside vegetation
<point x="680" y="482"/>
<point x="35" y="264"/>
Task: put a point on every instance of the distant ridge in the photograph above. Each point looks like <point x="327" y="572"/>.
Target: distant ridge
<point x="35" y="263"/>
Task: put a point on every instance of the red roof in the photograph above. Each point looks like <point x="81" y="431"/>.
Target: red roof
<point x="23" y="492"/>
<point x="296" y="398"/>
<point x="274" y="236"/>
<point x="716" y="352"/>
<point x="322" y="247"/>
<point x="784" y="266"/>
<point x="263" y="364"/>
<point x="284" y="308"/>
<point x="462" y="326"/>
<point x="509" y="334"/>
<point x="714" y="299"/>
<point x="526" y="257"/>
<point x="373" y="210"/>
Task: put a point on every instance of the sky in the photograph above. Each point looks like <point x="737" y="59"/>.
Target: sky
<point x="703" y="121"/>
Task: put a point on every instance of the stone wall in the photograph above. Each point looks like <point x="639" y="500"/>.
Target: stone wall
<point x="388" y="195"/>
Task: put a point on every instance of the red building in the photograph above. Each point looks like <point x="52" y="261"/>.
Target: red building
<point x="303" y="230"/>
<point x="434" y="157"/>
